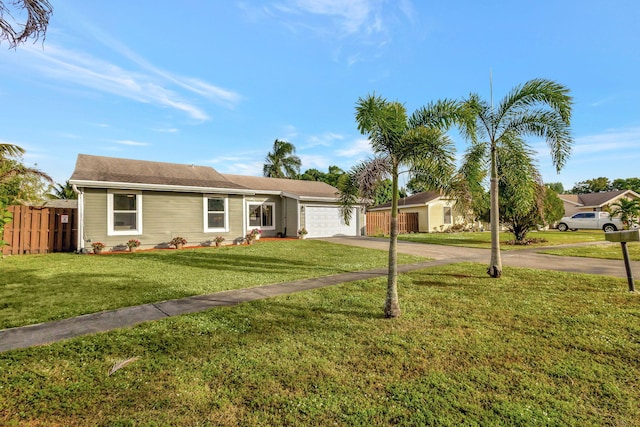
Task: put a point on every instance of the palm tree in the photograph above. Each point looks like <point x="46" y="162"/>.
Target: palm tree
<point x="281" y="162"/>
<point x="418" y="143"/>
<point x="37" y="12"/>
<point x="63" y="192"/>
<point x="539" y="108"/>
<point x="628" y="210"/>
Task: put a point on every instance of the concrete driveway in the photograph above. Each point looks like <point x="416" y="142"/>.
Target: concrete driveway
<point x="527" y="258"/>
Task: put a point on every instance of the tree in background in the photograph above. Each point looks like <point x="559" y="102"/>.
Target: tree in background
<point x="546" y="209"/>
<point x="626" y="184"/>
<point x="627" y="209"/>
<point x="418" y="143"/>
<point x="383" y="192"/>
<point x="539" y="108"/>
<point x="282" y="161"/>
<point x="331" y="178"/>
<point x="38" y="13"/>
<point x="19" y="183"/>
<point x="557" y="187"/>
<point x="595" y="185"/>
<point x="62" y="192"/>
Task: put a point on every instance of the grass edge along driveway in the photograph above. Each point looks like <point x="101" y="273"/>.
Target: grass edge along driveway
<point x="533" y="348"/>
<point x="40" y="288"/>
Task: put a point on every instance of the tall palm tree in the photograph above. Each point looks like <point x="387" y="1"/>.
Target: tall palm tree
<point x="418" y="143"/>
<point x="282" y="161"/>
<point x="540" y="108"/>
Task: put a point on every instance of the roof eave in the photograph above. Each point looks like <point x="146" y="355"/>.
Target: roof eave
<point x="158" y="187"/>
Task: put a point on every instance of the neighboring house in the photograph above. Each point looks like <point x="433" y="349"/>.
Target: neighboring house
<point x="122" y="199"/>
<point x="435" y="212"/>
<point x="590" y="202"/>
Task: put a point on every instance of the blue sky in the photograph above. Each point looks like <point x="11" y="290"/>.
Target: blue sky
<point x="215" y="83"/>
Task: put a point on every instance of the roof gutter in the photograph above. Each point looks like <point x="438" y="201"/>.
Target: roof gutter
<point x="159" y="187"/>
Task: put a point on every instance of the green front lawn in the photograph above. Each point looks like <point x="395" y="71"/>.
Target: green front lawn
<point x="606" y="251"/>
<point x="533" y="348"/>
<point x="483" y="239"/>
<point x="39" y="288"/>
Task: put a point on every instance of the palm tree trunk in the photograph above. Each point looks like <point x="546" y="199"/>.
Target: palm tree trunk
<point x="495" y="267"/>
<point x="392" y="305"/>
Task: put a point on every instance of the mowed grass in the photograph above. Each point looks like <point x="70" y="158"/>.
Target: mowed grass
<point x="605" y="251"/>
<point x="532" y="348"/>
<point x="39" y="288"/>
<point x="483" y="239"/>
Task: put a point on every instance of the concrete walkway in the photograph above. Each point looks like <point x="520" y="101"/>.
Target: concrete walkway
<point x="45" y="333"/>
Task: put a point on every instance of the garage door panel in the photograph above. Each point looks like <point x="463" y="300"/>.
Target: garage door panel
<point x="327" y="221"/>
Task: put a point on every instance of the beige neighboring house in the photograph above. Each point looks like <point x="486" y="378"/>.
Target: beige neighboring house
<point x="590" y="202"/>
<point x="122" y="199"/>
<point x="435" y="212"/>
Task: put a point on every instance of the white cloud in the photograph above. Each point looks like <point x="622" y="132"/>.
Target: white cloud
<point x="359" y="148"/>
<point x="325" y="140"/>
<point x="150" y="85"/>
<point x="132" y="143"/>
<point x="242" y="168"/>
<point x="311" y="161"/>
<point x="352" y="15"/>
<point x="611" y="141"/>
<point x="166" y="130"/>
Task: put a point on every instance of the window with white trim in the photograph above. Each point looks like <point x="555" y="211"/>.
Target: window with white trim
<point x="124" y="213"/>
<point x="262" y="215"/>
<point x="216" y="214"/>
<point x="447" y="215"/>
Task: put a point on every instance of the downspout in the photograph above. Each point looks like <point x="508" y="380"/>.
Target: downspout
<point x="284" y="215"/>
<point x="80" y="242"/>
<point x="298" y="217"/>
<point x="244" y="216"/>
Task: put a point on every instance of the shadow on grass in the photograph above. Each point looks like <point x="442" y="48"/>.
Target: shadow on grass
<point x="459" y="280"/>
<point x="229" y="261"/>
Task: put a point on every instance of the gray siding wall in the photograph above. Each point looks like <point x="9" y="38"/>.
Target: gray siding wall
<point x="291" y="207"/>
<point x="164" y="215"/>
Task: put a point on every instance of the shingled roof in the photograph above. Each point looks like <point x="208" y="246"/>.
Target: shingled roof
<point x="595" y="199"/>
<point x="110" y="169"/>
<point x="419" y="199"/>
<point x="295" y="187"/>
<point x="98" y="171"/>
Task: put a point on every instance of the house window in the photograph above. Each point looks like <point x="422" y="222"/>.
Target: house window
<point x="447" y="215"/>
<point x="124" y="216"/>
<point x="216" y="216"/>
<point x="262" y="216"/>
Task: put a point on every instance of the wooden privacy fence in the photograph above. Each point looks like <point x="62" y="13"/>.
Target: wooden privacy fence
<point x="380" y="223"/>
<point x="38" y="230"/>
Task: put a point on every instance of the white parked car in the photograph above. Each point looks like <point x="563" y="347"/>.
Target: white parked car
<point x="590" y="221"/>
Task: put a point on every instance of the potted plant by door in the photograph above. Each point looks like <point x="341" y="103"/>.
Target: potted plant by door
<point x="178" y="242"/>
<point x="256" y="232"/>
<point x="302" y="233"/>
<point x="133" y="245"/>
<point x="97" y="247"/>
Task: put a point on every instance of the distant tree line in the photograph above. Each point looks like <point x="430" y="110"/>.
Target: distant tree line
<point x="597" y="185"/>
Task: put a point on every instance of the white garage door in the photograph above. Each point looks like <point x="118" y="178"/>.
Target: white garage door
<point x="326" y="221"/>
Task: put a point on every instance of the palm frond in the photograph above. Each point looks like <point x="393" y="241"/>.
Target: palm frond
<point x="441" y="114"/>
<point x="10" y="150"/>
